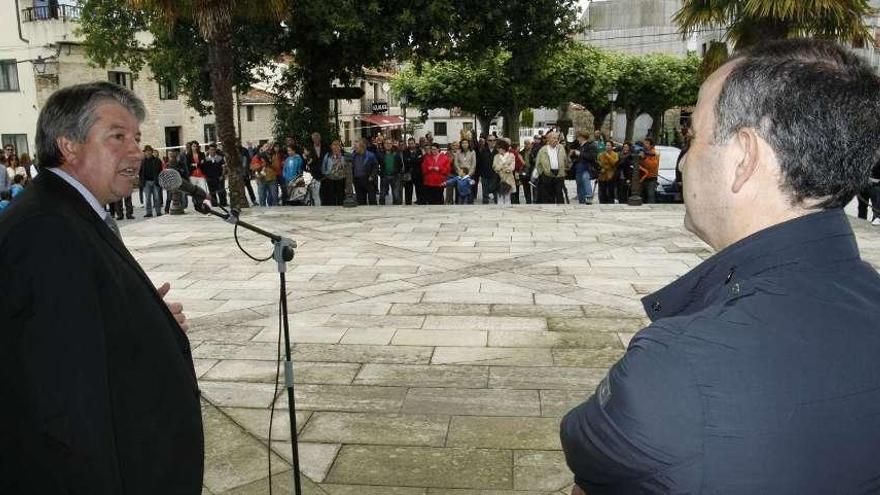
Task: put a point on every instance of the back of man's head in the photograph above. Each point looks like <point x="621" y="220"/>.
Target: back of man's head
<point x="817" y="104"/>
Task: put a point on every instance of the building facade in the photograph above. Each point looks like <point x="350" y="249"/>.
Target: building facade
<point x="40" y="53"/>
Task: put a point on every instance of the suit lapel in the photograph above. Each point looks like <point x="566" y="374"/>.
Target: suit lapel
<point x="59" y="188"/>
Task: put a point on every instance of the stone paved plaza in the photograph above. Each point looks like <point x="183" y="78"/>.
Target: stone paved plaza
<point x="435" y="348"/>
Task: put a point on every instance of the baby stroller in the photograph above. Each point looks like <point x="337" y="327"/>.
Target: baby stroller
<point x="300" y="191"/>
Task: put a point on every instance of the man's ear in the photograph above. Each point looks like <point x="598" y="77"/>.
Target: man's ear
<point x="749" y="145"/>
<point x="69" y="149"/>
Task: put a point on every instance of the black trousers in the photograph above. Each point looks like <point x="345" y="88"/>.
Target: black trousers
<point x="249" y="188"/>
<point x="607" y="192"/>
<point x="434" y="195"/>
<point x="870" y="194"/>
<point x="550" y="190"/>
<point x="408" y="187"/>
<point x="365" y="190"/>
<point x="332" y="192"/>
<point x="217" y="191"/>
<point x="116" y="208"/>
<point x="623" y="191"/>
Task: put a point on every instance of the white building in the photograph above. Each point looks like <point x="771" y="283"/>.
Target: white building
<point x="40" y="53"/>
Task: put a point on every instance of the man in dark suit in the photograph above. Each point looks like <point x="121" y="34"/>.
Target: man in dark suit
<point x="96" y="374"/>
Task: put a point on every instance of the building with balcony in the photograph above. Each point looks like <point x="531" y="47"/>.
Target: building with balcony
<point x="40" y="53"/>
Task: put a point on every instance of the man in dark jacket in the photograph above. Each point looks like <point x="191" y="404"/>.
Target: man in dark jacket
<point x="486" y="175"/>
<point x="759" y="373"/>
<point x="412" y="172"/>
<point x="96" y="373"/>
<point x="390" y="166"/>
<point x="149" y="175"/>
<point x="214" y="168"/>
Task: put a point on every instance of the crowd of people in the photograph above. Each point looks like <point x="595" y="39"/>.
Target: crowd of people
<point x="383" y="170"/>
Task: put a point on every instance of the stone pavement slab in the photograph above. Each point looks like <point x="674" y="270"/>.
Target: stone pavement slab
<point x="435" y="349"/>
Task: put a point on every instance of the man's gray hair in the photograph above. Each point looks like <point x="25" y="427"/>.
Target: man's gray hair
<point x="71" y="112"/>
<point x="818" y="106"/>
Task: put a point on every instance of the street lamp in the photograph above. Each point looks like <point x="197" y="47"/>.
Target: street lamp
<point x="404" y="101"/>
<point x="612" y="97"/>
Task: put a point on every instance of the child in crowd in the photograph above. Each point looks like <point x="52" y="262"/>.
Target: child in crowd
<point x="464" y="184"/>
<point x="5" y="196"/>
<point x="17" y="185"/>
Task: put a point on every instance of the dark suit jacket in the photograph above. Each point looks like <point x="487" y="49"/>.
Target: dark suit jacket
<point x="96" y="377"/>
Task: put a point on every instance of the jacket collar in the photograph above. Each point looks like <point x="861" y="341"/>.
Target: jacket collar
<point x="816" y="240"/>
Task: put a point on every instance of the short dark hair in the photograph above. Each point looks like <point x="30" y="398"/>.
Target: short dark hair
<point x="70" y="112"/>
<point x="805" y="97"/>
<point x="502" y="144"/>
<point x="18" y="179"/>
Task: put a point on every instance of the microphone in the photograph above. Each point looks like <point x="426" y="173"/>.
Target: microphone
<point x="171" y="181"/>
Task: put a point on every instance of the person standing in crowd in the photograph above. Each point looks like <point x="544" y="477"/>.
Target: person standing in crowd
<point x="364" y="168"/>
<point x="96" y="362"/>
<point x="5" y="180"/>
<point x="436" y="168"/>
<point x="452" y="151"/>
<point x="552" y="164"/>
<point x="625" y="164"/>
<point x="214" y="168"/>
<point x="149" y="176"/>
<point x="412" y="172"/>
<point x="334" y="170"/>
<point x="608" y="174"/>
<point x="267" y="177"/>
<point x="391" y="166"/>
<point x="487" y="178"/>
<point x="465" y="158"/>
<point x="20" y="166"/>
<point x="276" y="161"/>
<point x="524" y="176"/>
<point x="246" y="174"/>
<point x="759" y="373"/>
<point x="194" y="158"/>
<point x="503" y="165"/>
<point x="17" y="186"/>
<point x="315" y="165"/>
<point x="649" y="166"/>
<point x="291" y="171"/>
<point x="584" y="166"/>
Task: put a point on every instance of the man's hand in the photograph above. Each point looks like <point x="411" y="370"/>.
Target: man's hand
<point x="576" y="490"/>
<point x="175" y="308"/>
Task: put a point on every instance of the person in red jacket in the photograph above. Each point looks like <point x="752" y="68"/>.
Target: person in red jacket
<point x="435" y="170"/>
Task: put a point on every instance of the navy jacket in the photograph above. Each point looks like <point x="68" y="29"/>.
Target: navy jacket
<point x="759" y="374"/>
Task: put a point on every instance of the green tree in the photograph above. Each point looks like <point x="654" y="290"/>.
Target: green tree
<point x="192" y="45"/>
<point x="655" y="83"/>
<point x="336" y="39"/>
<point x="478" y="86"/>
<point x="748" y="23"/>
<point x="585" y="75"/>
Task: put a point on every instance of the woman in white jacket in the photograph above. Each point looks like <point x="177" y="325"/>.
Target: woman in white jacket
<point x="504" y="165"/>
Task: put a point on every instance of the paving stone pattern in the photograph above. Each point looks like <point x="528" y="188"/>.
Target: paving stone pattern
<point x="435" y="348"/>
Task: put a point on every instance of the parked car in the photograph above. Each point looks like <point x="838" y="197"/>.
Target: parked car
<point x="668" y="189"/>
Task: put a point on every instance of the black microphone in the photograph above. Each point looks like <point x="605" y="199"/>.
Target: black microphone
<point x="171" y="181"/>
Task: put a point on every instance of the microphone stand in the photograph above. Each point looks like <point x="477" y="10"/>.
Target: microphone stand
<point x="282" y="254"/>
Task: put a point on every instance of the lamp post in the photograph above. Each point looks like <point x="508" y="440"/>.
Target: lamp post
<point x="404" y="101"/>
<point x="612" y="97"/>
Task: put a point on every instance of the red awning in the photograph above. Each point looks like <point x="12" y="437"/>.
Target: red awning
<point x="383" y="120"/>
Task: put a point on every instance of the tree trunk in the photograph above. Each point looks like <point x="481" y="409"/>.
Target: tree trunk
<point x="316" y="98"/>
<point x="656" y="126"/>
<point x="485" y="121"/>
<point x="599" y="116"/>
<point x="564" y="121"/>
<point x="631" y="115"/>
<point x="511" y="125"/>
<point x="221" y="68"/>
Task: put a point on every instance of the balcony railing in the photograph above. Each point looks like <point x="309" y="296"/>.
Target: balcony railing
<point x="54" y="12"/>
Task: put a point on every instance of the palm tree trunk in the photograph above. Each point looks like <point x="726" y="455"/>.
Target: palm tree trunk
<point x="220" y="66"/>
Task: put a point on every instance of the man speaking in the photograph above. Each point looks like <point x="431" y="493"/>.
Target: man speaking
<point x="96" y="376"/>
<point x="761" y="370"/>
